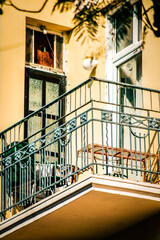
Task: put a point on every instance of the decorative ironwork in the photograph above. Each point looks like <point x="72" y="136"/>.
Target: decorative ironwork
<point x="31" y="147"/>
<point x="42" y="141"/>
<point x="72" y="124"/>
<point x="137" y="124"/>
<point x="125" y="118"/>
<point x="18" y="155"/>
<point x="8" y="161"/>
<point x="153" y="123"/>
<point x="107" y="116"/>
<point x="121" y="137"/>
<point x="83" y="118"/>
<point x="62" y="133"/>
<point x="57" y="134"/>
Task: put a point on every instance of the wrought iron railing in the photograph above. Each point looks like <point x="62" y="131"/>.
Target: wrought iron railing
<point x="102" y="127"/>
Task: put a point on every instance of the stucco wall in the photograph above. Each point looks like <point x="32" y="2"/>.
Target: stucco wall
<point x="151" y="56"/>
<point x="12" y="55"/>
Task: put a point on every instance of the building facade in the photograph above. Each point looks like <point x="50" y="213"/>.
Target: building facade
<point x="79" y="127"/>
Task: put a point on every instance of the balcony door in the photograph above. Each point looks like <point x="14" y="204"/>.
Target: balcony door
<point x="40" y="89"/>
<point x="128" y="69"/>
<point x="124" y="65"/>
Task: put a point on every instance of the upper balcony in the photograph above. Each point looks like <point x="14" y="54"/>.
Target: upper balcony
<point x="101" y="135"/>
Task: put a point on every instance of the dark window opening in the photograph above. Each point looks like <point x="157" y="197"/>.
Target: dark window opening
<point x="29" y="45"/>
<point x="59" y="52"/>
<point x="44" y="49"/>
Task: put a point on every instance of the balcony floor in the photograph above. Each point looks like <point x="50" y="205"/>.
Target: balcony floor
<point x="94" y="208"/>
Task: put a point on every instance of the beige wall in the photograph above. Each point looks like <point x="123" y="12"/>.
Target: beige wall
<point x="151" y="56"/>
<point x="12" y="56"/>
<point x="77" y="52"/>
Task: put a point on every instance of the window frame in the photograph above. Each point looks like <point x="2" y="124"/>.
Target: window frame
<point x="55" y="34"/>
<point x="115" y="59"/>
<point x="44" y="77"/>
<point x="131" y="49"/>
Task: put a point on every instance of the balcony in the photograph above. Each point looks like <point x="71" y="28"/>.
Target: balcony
<point x="104" y="143"/>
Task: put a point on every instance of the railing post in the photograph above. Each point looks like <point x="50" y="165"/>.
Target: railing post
<point x="92" y="148"/>
<point x="2" y="178"/>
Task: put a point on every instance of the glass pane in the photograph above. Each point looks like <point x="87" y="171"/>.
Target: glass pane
<point x="34" y="125"/>
<point x="128" y="39"/>
<point x="59" y="52"/>
<point x="44" y="49"/>
<point x="29" y="45"/>
<point x="35" y="94"/>
<point x="131" y="73"/>
<point x="50" y="135"/>
<point x="52" y="92"/>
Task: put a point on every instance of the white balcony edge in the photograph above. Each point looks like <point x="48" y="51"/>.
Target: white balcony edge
<point x="67" y="195"/>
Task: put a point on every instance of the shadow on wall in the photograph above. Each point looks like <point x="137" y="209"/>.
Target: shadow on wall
<point x="11" y="47"/>
<point x="92" y="74"/>
<point x="149" y="229"/>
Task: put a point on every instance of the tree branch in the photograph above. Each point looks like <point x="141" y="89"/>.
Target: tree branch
<point x="29" y="11"/>
<point x="147" y="18"/>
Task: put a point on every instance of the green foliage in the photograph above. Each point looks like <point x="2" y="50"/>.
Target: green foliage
<point x="87" y="15"/>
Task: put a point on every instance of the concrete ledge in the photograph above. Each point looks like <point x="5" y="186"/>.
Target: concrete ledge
<point x="102" y="184"/>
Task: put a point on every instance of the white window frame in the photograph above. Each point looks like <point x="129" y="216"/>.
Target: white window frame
<point x="113" y="59"/>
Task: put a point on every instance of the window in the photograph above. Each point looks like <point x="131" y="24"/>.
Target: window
<point x="40" y="89"/>
<point x="128" y="69"/>
<point x="127" y="52"/>
<point x="44" y="49"/>
<point x="128" y="39"/>
<point x="130" y="72"/>
<point x="124" y="64"/>
<point x="129" y="57"/>
<point x="43" y="77"/>
<point x="134" y="30"/>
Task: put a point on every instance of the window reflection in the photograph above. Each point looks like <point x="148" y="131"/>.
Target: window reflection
<point x="131" y="32"/>
<point x="35" y="94"/>
<point x="128" y="39"/>
<point x="130" y="73"/>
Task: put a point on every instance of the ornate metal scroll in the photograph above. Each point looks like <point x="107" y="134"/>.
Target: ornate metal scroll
<point x="153" y="123"/>
<point x="19" y="155"/>
<point x="83" y="118"/>
<point x="144" y="123"/>
<point x="107" y="116"/>
<point x="62" y="132"/>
